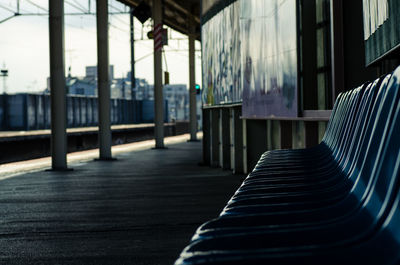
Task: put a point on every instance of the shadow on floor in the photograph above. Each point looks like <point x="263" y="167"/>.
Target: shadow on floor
<point x="141" y="209"/>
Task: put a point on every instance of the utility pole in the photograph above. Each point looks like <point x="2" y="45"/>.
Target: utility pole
<point x="4" y="74"/>
<point x="158" y="87"/>
<point x="133" y="77"/>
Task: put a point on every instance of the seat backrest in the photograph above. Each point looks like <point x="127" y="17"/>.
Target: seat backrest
<point x="350" y="130"/>
<point x="387" y="174"/>
<point x="338" y="121"/>
<point x="344" y="117"/>
<point x="365" y="171"/>
<point x="359" y="129"/>
<point x="350" y="133"/>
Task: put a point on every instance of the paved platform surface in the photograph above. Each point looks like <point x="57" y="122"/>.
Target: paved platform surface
<point x="141" y="209"/>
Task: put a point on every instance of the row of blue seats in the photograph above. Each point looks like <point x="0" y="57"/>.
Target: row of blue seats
<point x="336" y="203"/>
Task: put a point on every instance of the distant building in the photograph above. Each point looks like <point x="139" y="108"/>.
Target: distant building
<point x="142" y="88"/>
<point x="86" y="86"/>
<point x="121" y="88"/>
<point x="91" y="71"/>
<point x="177" y="96"/>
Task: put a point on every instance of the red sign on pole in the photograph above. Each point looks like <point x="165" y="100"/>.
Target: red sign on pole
<point x="158" y="43"/>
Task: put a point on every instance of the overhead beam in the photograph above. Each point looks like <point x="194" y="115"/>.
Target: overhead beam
<point x="187" y="12"/>
<point x="170" y="20"/>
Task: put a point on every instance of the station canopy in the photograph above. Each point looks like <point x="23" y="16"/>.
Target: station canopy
<point x="176" y="13"/>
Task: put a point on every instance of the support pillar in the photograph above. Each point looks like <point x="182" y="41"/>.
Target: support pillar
<point x="244" y="141"/>
<point x="311" y="134"/>
<point x="256" y="142"/>
<point x="215" y="126"/>
<point x="133" y="75"/>
<point x="57" y="86"/>
<point x="337" y="49"/>
<point x="286" y="134"/>
<point x="192" y="81"/>
<point x="158" y="89"/>
<point x="207" y="137"/>
<point x="103" y="80"/>
<point x="236" y="140"/>
<point x="225" y="139"/>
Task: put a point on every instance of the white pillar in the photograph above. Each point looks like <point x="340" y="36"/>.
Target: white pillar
<point x="57" y="86"/>
<point x="103" y="80"/>
<point x="192" y="84"/>
<point x="158" y="87"/>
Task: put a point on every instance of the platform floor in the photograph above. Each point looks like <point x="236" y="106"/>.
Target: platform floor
<point x="32" y="134"/>
<point x="141" y="209"/>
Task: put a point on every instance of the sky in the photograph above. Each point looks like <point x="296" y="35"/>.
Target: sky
<point x="24" y="46"/>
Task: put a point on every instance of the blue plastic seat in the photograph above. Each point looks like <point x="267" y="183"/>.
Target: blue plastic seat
<point x="337" y="203"/>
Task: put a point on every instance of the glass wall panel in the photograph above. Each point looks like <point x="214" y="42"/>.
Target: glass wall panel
<point x="221" y="57"/>
<point x="251" y="45"/>
<point x="381" y="28"/>
<point x="269" y="58"/>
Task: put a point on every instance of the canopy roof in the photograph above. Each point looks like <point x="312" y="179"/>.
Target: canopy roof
<point x="176" y="13"/>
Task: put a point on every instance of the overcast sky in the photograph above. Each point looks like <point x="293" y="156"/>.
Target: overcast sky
<point x="24" y="47"/>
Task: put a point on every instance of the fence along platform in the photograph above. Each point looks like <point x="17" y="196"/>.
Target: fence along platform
<point x="32" y="111"/>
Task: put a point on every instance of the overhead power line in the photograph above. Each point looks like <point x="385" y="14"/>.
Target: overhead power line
<point x="26" y="13"/>
<point x="79" y="4"/>
<point x="120" y="29"/>
<point x="8" y="18"/>
<point x="119" y="10"/>
<point x="38" y="6"/>
<point x="7" y="8"/>
<point x="120" y="20"/>
<point x="76" y="6"/>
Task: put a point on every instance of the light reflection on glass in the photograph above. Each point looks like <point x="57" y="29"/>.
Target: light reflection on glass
<point x="269" y="58"/>
<point x="250" y="55"/>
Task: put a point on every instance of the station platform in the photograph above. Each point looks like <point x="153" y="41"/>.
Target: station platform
<point x="142" y="208"/>
<point x="25" y="145"/>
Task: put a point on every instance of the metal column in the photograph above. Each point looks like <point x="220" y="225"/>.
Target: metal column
<point x="225" y="139"/>
<point x="132" y="33"/>
<point x="158" y="89"/>
<point x="337" y="49"/>
<point x="192" y="81"/>
<point x="57" y="86"/>
<point x="103" y="80"/>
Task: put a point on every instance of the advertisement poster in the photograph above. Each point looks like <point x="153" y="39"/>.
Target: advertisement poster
<point x="269" y="58"/>
<point x="221" y="58"/>
<point x="249" y="55"/>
